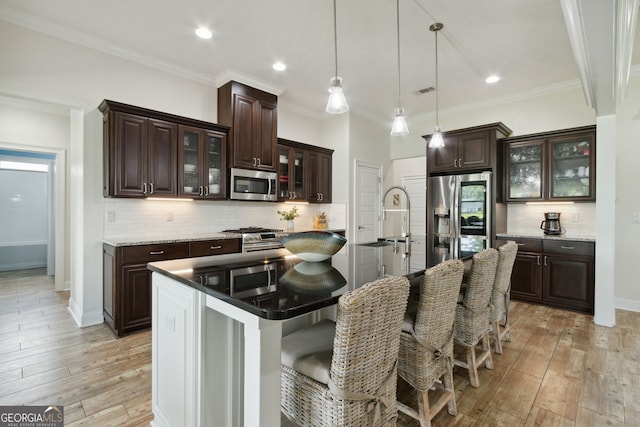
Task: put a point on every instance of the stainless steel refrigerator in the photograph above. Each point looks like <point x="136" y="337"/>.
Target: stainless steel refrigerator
<point x="458" y="216"/>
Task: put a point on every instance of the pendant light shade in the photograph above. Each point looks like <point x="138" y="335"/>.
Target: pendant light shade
<point x="399" y="127"/>
<point x="337" y="102"/>
<point x="436" y="138"/>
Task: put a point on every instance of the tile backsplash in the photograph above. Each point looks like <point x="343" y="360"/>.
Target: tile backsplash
<point x="167" y="218"/>
<point x="576" y="219"/>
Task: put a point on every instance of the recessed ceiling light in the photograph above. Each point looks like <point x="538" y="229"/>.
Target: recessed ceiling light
<point x="203" y="33"/>
<point x="492" y="79"/>
<point x="279" y="66"/>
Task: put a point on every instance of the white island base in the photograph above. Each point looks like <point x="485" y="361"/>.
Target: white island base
<point x="214" y="364"/>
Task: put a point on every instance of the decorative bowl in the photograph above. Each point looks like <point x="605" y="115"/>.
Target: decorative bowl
<point x="313" y="246"/>
<point x="314" y="278"/>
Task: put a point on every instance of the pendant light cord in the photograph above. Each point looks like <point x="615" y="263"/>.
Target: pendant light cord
<point x="335" y="36"/>
<point x="398" y="41"/>
<point x="437" y="84"/>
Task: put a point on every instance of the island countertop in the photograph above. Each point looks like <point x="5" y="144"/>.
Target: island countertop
<point x="272" y="284"/>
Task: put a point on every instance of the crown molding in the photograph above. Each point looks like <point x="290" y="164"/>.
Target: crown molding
<point x="229" y="74"/>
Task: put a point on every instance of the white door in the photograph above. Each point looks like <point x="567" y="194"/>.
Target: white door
<point x="416" y="186"/>
<point x="367" y="202"/>
<point x="367" y="195"/>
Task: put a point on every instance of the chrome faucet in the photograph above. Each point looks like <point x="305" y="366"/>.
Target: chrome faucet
<point x="406" y="233"/>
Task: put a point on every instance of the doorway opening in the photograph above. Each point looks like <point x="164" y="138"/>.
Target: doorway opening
<point x="27" y="214"/>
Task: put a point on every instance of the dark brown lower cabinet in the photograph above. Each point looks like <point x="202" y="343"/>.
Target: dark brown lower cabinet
<point x="558" y="273"/>
<point x="127" y="281"/>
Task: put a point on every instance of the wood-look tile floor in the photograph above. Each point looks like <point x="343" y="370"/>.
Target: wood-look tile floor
<point x="559" y="370"/>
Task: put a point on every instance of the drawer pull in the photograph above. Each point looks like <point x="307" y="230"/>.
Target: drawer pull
<point x="215" y="247"/>
<point x="520" y="244"/>
<point x="156" y="252"/>
<point x="567" y="247"/>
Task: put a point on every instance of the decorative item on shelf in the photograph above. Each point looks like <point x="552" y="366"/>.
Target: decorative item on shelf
<point x="313" y="246"/>
<point x="337" y="103"/>
<point x="320" y="221"/>
<point x="289" y="216"/>
<point x="399" y="126"/>
<point x="436" y="138"/>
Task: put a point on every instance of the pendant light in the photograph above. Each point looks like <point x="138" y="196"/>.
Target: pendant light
<point x="436" y="138"/>
<point x="399" y="126"/>
<point x="337" y="102"/>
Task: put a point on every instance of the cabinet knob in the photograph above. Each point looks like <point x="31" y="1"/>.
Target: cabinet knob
<point x="455" y="163"/>
<point x="151" y="188"/>
<point x="213" y="248"/>
<point x="144" y="188"/>
<point x="156" y="252"/>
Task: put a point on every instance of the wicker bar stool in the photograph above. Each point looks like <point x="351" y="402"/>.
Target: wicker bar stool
<point x="500" y="296"/>
<point x="345" y="373"/>
<point x="426" y="342"/>
<point x="473" y="325"/>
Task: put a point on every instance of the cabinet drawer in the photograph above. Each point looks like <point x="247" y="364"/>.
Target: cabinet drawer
<point x="214" y="247"/>
<point x="524" y="245"/>
<point x="150" y="253"/>
<point x="569" y="247"/>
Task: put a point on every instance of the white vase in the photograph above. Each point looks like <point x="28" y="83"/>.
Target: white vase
<point x="290" y="225"/>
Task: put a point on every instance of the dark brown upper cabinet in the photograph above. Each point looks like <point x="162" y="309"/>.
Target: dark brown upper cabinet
<point x="465" y="150"/>
<point x="201" y="163"/>
<point x="551" y="166"/>
<point x="141" y="152"/>
<point x="252" y="115"/>
<point x="304" y="172"/>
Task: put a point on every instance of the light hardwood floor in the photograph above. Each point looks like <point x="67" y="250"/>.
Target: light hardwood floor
<point x="559" y="370"/>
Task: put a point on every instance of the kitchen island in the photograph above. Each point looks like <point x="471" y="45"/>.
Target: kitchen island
<point x="217" y="327"/>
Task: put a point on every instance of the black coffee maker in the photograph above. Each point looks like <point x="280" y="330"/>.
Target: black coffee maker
<point x="551" y="223"/>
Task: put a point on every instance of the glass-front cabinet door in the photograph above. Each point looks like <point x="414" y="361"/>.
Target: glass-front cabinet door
<point x="291" y="166"/>
<point x="525" y="166"/>
<point x="189" y="147"/>
<point x="572" y="165"/>
<point x="201" y="163"/>
<point x="213" y="156"/>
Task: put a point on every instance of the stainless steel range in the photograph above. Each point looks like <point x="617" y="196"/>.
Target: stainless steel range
<point x="259" y="238"/>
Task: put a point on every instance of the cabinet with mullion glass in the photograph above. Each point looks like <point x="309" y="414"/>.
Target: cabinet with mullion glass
<point x="525" y="170"/>
<point x="551" y="166"/>
<point x="201" y="163"/>
<point x="291" y="177"/>
<point x="572" y="167"/>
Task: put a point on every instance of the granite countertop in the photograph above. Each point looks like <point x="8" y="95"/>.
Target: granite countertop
<point x="154" y="240"/>
<point x="541" y="235"/>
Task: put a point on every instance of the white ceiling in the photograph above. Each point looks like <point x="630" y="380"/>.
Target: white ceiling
<point x="524" y="41"/>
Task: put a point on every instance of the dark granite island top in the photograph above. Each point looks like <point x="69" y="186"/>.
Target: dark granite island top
<point x="271" y="284"/>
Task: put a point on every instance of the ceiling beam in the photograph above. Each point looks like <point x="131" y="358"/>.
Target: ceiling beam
<point x="601" y="35"/>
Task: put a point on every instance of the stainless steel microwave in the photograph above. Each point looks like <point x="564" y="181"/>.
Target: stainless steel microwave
<point x="253" y="185"/>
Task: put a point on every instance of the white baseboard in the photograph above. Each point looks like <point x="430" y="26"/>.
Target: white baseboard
<point x="627" y="304"/>
<point x="84" y="319"/>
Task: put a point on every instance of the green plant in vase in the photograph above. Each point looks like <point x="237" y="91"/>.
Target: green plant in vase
<point x="289" y="216"/>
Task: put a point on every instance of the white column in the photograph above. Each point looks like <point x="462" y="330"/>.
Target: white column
<point x="604" y="312"/>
